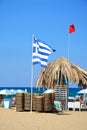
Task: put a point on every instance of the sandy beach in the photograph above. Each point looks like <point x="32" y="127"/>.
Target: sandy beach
<point x="68" y="120"/>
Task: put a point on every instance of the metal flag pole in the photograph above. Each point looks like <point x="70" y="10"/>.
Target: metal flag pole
<point x="68" y="59"/>
<point x="68" y="46"/>
<point x="32" y="74"/>
<point x="71" y="30"/>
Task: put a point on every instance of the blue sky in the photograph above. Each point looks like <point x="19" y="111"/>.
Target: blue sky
<point x="48" y="20"/>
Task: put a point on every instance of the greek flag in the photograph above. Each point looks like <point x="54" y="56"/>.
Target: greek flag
<point x="41" y="52"/>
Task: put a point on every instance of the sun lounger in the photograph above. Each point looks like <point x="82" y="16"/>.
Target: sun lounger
<point x="58" y="106"/>
<point x="74" y="105"/>
<point x="70" y="105"/>
<point x="77" y="105"/>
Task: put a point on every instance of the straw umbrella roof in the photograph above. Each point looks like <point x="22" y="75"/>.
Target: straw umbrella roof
<point x="61" y="69"/>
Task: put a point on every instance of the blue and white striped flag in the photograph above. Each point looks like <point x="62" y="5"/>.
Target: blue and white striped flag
<point x="41" y="52"/>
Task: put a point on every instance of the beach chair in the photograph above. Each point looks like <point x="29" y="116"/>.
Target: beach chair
<point x="77" y="105"/>
<point x="71" y="105"/>
<point x="58" y="106"/>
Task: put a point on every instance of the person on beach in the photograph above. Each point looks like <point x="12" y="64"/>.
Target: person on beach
<point x="81" y="99"/>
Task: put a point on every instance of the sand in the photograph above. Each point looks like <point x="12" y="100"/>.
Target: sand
<point x="10" y="119"/>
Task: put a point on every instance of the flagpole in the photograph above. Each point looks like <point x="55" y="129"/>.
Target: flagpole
<point x="68" y="46"/>
<point x="71" y="29"/>
<point x="32" y="74"/>
<point x="68" y="59"/>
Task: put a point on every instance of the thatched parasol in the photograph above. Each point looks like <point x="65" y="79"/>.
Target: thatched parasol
<point x="61" y="71"/>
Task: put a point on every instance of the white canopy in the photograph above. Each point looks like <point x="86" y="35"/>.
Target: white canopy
<point x="83" y="91"/>
<point x="49" y="91"/>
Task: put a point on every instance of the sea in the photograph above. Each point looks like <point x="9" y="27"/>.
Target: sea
<point x="71" y="91"/>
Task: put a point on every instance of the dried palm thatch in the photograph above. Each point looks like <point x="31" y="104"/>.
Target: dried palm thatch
<point x="61" y="70"/>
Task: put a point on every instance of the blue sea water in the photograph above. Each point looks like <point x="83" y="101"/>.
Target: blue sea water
<point x="71" y="91"/>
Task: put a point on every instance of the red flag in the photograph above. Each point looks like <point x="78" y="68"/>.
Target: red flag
<point x="71" y="28"/>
